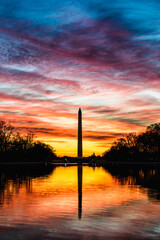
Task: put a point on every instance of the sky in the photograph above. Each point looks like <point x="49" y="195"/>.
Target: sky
<point x="102" y="56"/>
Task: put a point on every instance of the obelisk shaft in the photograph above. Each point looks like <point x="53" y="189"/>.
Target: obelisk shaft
<point x="79" y="133"/>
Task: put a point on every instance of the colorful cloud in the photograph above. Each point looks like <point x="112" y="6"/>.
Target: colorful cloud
<point x="102" y="56"/>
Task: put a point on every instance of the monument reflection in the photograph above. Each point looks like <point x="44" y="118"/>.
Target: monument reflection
<point x="11" y="182"/>
<point x="46" y="203"/>
<point x="80" y="172"/>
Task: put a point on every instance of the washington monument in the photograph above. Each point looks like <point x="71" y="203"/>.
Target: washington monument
<point x="80" y="133"/>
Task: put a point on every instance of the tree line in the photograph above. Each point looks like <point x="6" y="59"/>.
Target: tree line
<point x="136" y="147"/>
<point x="15" y="147"/>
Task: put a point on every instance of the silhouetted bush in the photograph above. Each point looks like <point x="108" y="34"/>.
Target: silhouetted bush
<point x="142" y="147"/>
<point x="17" y="148"/>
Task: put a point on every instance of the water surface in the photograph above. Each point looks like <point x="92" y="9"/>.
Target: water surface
<point x="79" y="203"/>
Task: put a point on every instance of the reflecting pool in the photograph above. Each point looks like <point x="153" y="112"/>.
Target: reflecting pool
<point x="75" y="202"/>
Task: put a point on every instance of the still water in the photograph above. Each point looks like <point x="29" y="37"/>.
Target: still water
<point x="79" y="203"/>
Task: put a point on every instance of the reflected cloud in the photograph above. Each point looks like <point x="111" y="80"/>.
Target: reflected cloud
<point x="47" y="199"/>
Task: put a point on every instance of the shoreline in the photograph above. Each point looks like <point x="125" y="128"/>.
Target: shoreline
<point x="98" y="164"/>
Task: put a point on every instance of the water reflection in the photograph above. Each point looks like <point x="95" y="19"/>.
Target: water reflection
<point x="145" y="176"/>
<point x="14" y="177"/>
<point x="80" y="191"/>
<point x="46" y="202"/>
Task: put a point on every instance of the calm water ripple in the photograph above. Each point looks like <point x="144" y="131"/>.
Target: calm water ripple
<point x="79" y="203"/>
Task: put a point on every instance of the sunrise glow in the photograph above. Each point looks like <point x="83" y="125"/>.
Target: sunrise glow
<point x="58" y="56"/>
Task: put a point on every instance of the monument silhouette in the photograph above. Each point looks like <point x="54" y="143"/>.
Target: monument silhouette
<point x="80" y="133"/>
